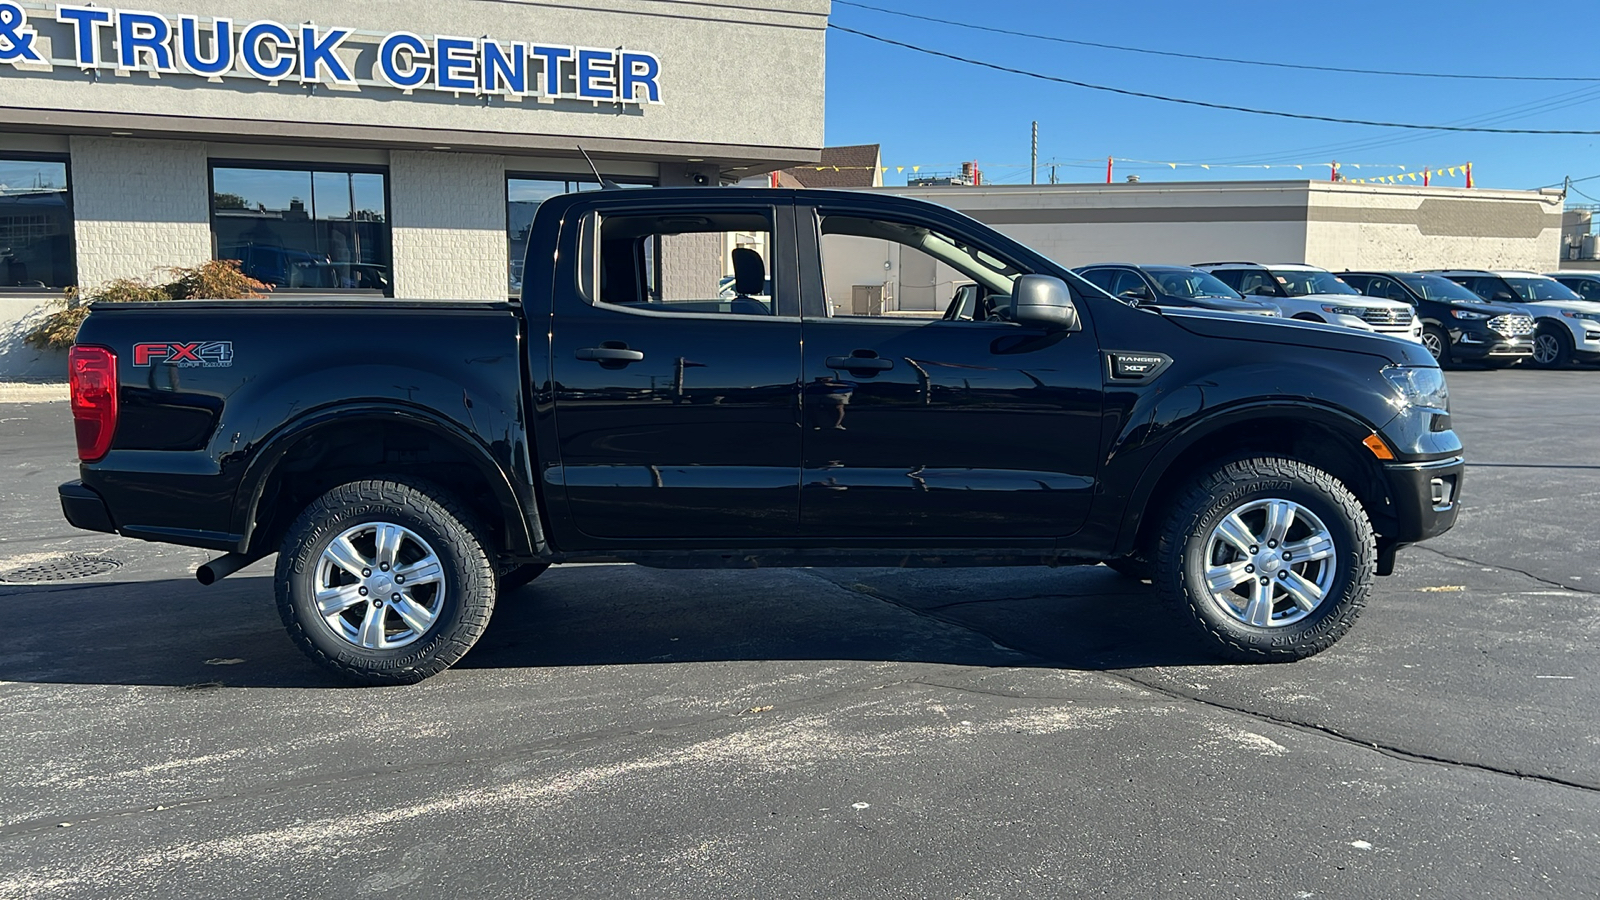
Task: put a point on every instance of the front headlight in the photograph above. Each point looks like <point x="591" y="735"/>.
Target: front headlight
<point x="1356" y="311"/>
<point x="1420" y="388"/>
<point x="1469" y="315"/>
<point x="1592" y="317"/>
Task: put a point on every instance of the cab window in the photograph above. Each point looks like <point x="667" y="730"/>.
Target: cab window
<point x="705" y="263"/>
<point x="874" y="268"/>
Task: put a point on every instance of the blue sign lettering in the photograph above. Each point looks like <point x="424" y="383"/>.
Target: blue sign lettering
<point x="452" y="55"/>
<point x="16" y="38"/>
<point x="277" y="63"/>
<point x="504" y="71"/>
<point x="552" y="57"/>
<point x="273" y="51"/>
<point x="143" y="31"/>
<point x="189" y="52"/>
<point x="404" y="73"/>
<point x="316" y="55"/>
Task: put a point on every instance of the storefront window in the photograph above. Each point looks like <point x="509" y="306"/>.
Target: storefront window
<point x="35" y="226"/>
<point x="302" y="229"/>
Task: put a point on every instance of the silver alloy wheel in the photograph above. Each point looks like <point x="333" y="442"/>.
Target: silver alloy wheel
<point x="1435" y="346"/>
<point x="1546" y="349"/>
<point x="379" y="586"/>
<point x="1269" y="563"/>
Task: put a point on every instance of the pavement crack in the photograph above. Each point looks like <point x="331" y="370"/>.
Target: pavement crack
<point x="1505" y="568"/>
<point x="1389" y="750"/>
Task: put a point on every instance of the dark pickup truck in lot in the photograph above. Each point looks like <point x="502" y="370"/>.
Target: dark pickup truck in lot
<point x="410" y="461"/>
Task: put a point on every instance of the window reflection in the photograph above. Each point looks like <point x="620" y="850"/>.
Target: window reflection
<point x="319" y="230"/>
<point x="523" y="196"/>
<point x="35" y="225"/>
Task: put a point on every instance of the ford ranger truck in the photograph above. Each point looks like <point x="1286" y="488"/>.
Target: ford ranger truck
<point x="408" y="462"/>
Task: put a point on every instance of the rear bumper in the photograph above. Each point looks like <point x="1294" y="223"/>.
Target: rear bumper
<point x="84" y="508"/>
<point x="1427" y="497"/>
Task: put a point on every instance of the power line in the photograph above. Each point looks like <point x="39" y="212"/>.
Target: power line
<point x="1202" y="103"/>
<point x="1220" y="59"/>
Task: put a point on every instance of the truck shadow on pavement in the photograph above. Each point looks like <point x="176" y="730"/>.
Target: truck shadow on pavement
<point x="176" y="633"/>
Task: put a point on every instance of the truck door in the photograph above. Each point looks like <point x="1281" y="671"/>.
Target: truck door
<point x="675" y="362"/>
<point x="918" y="426"/>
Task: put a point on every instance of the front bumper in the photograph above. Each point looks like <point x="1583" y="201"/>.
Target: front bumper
<point x="85" y="508"/>
<point x="1412" y="332"/>
<point x="1486" y="344"/>
<point x="1427" y="497"/>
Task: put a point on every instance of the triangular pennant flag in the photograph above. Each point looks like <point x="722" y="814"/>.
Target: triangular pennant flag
<point x="1355" y="165"/>
<point x="1172" y="165"/>
<point x="916" y="168"/>
<point x="1206" y="167"/>
<point x="899" y="168"/>
<point x="1301" y="168"/>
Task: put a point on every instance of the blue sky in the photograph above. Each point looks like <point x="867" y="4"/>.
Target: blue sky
<point x="935" y="112"/>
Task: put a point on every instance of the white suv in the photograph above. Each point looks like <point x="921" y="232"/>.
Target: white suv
<point x="1568" y="325"/>
<point x="1311" y="294"/>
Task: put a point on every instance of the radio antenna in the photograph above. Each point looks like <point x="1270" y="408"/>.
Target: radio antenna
<point x="605" y="182"/>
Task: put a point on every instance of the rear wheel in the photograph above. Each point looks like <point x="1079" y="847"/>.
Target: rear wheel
<point x="1270" y="559"/>
<point x="1437" y="343"/>
<point x="1552" y="348"/>
<point x="385" y="582"/>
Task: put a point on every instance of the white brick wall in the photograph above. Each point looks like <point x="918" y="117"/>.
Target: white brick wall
<point x="449" y="232"/>
<point x="139" y="206"/>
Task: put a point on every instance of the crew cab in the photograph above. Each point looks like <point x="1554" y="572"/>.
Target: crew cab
<point x="1457" y="325"/>
<point x="1567" y="327"/>
<point x="1311" y="294"/>
<point x="411" y="462"/>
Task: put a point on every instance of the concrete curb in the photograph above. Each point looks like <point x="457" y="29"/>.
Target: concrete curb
<point x="26" y="392"/>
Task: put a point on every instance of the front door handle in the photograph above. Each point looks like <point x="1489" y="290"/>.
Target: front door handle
<point x="860" y="363"/>
<point x="609" y="354"/>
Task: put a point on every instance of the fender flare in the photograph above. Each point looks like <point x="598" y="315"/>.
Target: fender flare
<point x="276" y="446"/>
<point x="1312" y="412"/>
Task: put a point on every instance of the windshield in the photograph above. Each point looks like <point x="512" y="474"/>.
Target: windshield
<point x="1299" y="283"/>
<point x="1192" y="284"/>
<point x="1437" y="287"/>
<point x="1541" y="289"/>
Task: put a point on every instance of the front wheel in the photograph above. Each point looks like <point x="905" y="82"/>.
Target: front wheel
<point x="1437" y="343"/>
<point x="1270" y="559"/>
<point x="1552" y="349"/>
<point x="385" y="582"/>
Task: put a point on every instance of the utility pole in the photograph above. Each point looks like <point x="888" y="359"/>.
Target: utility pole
<point x="1035" y="157"/>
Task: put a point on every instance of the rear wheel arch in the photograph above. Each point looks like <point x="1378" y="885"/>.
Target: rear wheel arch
<point x="1323" y="437"/>
<point x="350" y="443"/>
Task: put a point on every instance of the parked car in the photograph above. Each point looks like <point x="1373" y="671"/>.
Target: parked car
<point x="1183" y="286"/>
<point x="1457" y="325"/>
<point x="1567" y="327"/>
<point x="1584" y="284"/>
<point x="1311" y="294"/>
<point x="458" y="449"/>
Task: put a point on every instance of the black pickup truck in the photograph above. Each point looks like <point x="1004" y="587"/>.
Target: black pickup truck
<point x="408" y="461"/>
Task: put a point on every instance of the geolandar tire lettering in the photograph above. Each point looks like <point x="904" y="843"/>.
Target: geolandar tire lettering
<point x="1270" y="559"/>
<point x="385" y="581"/>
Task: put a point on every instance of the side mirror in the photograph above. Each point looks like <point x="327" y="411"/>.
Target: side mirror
<point x="1503" y="297"/>
<point x="1136" y="294"/>
<point x="1044" y="300"/>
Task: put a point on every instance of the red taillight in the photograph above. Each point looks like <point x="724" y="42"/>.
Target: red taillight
<point x="92" y="372"/>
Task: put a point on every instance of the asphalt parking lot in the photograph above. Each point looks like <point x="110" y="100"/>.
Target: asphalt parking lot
<point x="624" y="732"/>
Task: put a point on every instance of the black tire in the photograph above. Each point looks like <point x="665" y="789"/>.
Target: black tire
<point x="1133" y="567"/>
<point x="1437" y="342"/>
<point x="518" y="576"/>
<point x="1184" y="542"/>
<point x="465" y="581"/>
<point x="1552" y="349"/>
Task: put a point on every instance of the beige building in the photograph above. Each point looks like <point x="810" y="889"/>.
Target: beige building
<point x="393" y="148"/>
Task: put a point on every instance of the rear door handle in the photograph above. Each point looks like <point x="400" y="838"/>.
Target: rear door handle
<point x="860" y="363"/>
<point x="608" y="354"/>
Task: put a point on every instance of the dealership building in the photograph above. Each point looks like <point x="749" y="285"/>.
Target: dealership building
<point x="392" y="148"/>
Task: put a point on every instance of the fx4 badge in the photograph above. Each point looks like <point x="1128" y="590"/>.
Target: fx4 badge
<point x="191" y="355"/>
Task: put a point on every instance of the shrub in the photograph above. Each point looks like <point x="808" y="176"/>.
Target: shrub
<point x="219" y="279"/>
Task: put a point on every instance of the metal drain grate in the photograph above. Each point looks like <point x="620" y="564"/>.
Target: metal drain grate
<point x="59" y="567"/>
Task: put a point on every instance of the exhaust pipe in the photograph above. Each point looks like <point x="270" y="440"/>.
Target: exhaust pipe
<point x="223" y="566"/>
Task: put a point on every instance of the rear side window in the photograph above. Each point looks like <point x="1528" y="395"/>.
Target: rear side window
<point x="703" y="263"/>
